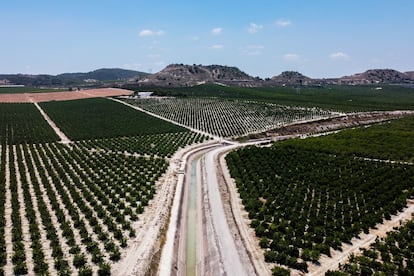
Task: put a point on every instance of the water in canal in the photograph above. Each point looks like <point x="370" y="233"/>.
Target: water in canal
<point x="191" y="221"/>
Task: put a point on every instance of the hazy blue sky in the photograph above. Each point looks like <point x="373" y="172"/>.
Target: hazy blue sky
<point x="320" y="38"/>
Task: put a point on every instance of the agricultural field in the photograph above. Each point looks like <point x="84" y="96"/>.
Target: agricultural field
<point x="228" y="117"/>
<point x="392" y="255"/>
<point x="304" y="201"/>
<point x="339" y="98"/>
<point x="103" y="118"/>
<point x="159" y="145"/>
<point x="73" y="208"/>
<point x="392" y="140"/>
<point x="22" y="123"/>
<point x="76" y="208"/>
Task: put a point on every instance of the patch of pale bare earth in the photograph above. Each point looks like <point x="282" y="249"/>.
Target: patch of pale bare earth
<point x="63" y="96"/>
<point x="14" y="98"/>
<point x="364" y="241"/>
<point x="107" y="92"/>
<point x="336" y="123"/>
<point x="46" y="248"/>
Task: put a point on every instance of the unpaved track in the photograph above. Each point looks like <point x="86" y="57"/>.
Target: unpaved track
<point x="242" y="221"/>
<point x="63" y="138"/>
<point x="233" y="259"/>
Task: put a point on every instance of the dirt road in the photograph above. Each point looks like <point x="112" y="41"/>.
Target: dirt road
<point x="233" y="258"/>
<point x="63" y="138"/>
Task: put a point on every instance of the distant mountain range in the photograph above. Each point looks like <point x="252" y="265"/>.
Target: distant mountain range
<point x="68" y="79"/>
<point x="188" y="75"/>
<point x="180" y="75"/>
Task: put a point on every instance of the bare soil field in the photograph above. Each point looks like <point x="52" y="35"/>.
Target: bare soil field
<point x="63" y="96"/>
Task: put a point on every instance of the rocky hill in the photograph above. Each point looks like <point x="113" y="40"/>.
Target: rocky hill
<point x="410" y="74"/>
<point x="291" y="78"/>
<point x="378" y="76"/>
<point x="189" y="75"/>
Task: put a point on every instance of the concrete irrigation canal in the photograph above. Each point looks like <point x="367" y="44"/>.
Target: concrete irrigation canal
<point x="192" y="221"/>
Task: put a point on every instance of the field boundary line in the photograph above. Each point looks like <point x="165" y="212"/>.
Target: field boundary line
<point x="165" y="119"/>
<point x="63" y="138"/>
